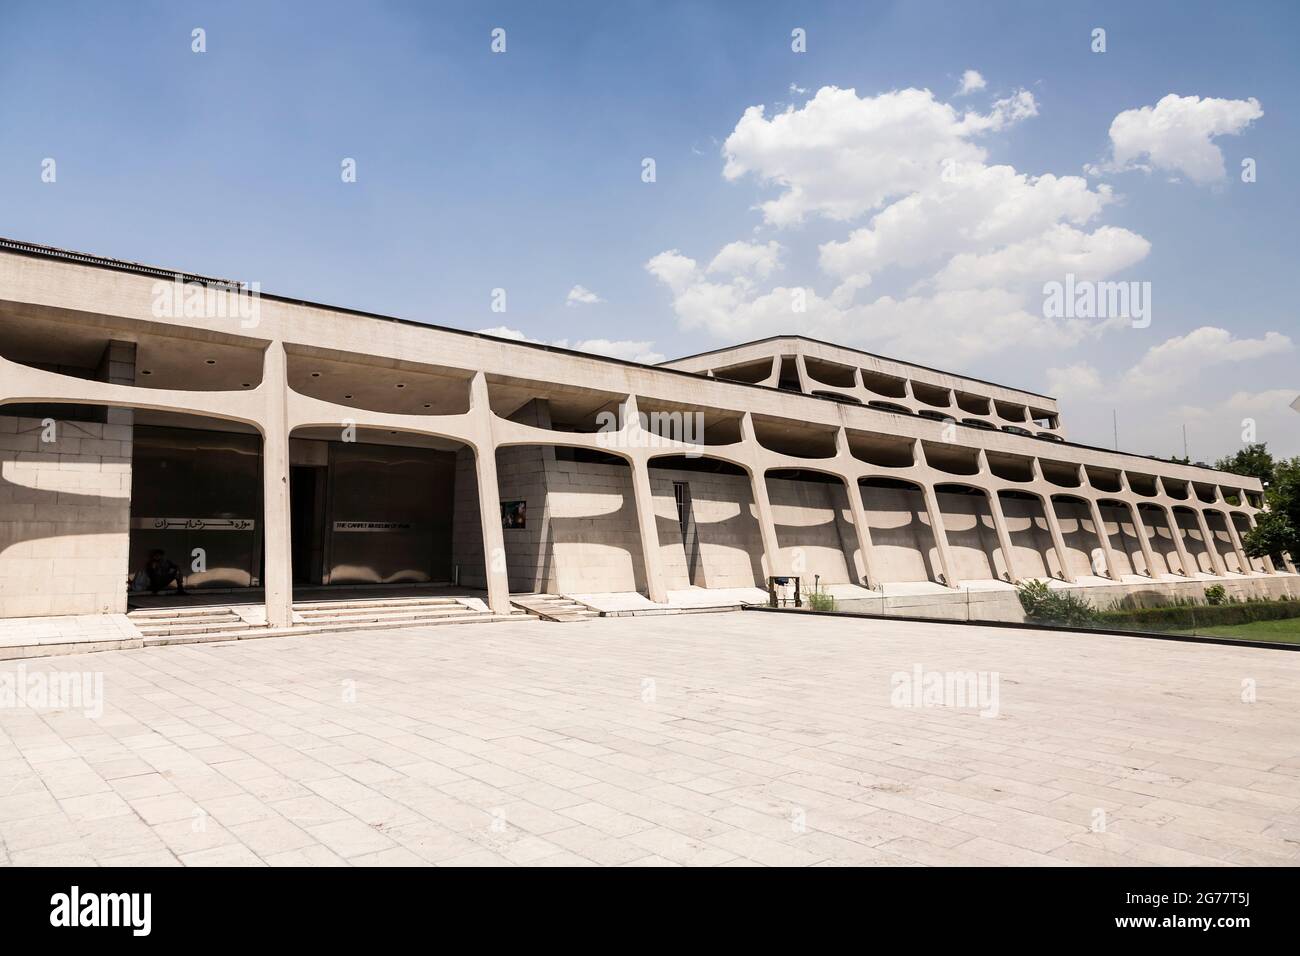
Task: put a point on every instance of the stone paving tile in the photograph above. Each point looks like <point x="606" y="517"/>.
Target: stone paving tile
<point x="531" y="744"/>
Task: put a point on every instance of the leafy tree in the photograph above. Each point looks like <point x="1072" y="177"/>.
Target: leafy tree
<point x="1253" y="460"/>
<point x="1278" y="529"/>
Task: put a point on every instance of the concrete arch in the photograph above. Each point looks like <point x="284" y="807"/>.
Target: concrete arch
<point x="1033" y="542"/>
<point x="714" y="538"/>
<point x="904" y="539"/>
<point x="971" y="525"/>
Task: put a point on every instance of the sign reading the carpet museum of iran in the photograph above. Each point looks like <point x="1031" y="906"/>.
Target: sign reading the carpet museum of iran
<point x="373" y="526"/>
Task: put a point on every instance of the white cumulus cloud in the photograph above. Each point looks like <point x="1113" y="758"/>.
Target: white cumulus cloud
<point x="971" y="82"/>
<point x="580" y="295"/>
<point x="1177" y="136"/>
<point x="965" y="245"/>
<point x="842" y="155"/>
<point x="744" y="258"/>
<point x="1181" y="359"/>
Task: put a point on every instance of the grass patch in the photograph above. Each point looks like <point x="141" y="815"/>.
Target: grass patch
<point x="1200" y="618"/>
<point x="1281" y="632"/>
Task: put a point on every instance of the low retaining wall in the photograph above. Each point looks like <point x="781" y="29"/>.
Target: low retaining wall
<point x="1004" y="604"/>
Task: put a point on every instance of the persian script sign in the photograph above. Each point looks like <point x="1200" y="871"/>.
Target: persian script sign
<point x="193" y="524"/>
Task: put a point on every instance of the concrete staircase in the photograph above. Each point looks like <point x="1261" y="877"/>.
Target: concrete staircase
<point x="188" y="625"/>
<point x="553" y="607"/>
<point x="194" y="625"/>
<point x="391" y="612"/>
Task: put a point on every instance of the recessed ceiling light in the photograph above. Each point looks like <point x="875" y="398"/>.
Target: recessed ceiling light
<point x="209" y="361"/>
<point x="347" y="396"/>
<point x="401" y="385"/>
<point x="248" y="385"/>
<point x="428" y="406"/>
<point x="315" y="374"/>
<point x="145" y="371"/>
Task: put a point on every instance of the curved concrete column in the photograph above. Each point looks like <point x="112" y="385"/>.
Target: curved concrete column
<point x="773" y="377"/>
<point x="999" y="519"/>
<point x="940" y="535"/>
<point x="936" y="519"/>
<point x="277" y="562"/>
<point x="853" y="490"/>
<point x="1053" y="526"/>
<point x="1103" y="538"/>
<point x="1184" y="559"/>
<point x="1235" y="538"/>
<point x="1099" y="524"/>
<point x="801" y="369"/>
<point x="1004" y="534"/>
<point x="489" y="497"/>
<point x="1144" y="539"/>
<point x="1242" y="561"/>
<point x="1269" y="566"/>
<point x="643" y="499"/>
<point x="772" y="563"/>
<point x="1216" y="562"/>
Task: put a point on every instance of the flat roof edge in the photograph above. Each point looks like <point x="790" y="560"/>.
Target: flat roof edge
<point x="850" y="348"/>
<point x="36" y="250"/>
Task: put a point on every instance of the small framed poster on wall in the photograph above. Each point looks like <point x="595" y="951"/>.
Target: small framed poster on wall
<point x="514" y="515"/>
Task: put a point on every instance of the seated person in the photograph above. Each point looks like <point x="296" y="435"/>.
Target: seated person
<point x="160" y="573"/>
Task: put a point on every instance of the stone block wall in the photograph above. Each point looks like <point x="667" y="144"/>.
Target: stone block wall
<point x="65" y="508"/>
<point x="902" y="543"/>
<point x="726" y="530"/>
<point x="972" y="538"/>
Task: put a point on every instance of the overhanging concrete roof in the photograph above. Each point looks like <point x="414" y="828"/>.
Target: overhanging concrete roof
<point x="305" y="327"/>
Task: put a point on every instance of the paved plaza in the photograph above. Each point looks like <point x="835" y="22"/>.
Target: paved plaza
<point x="700" y="739"/>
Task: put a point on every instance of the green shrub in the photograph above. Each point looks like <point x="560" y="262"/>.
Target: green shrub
<point x="1186" y="617"/>
<point x="1043" y="605"/>
<point x="1216" y="594"/>
<point x="818" y="601"/>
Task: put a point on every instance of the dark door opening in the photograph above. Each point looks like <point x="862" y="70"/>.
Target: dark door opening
<point x="686" y="523"/>
<point x="305" y="504"/>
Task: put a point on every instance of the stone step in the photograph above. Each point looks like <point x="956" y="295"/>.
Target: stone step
<point x="154" y="630"/>
<point x="384" y="614"/>
<point x="554" y="607"/>
<point x="148" y="613"/>
<point x="377" y="602"/>
<point x="296" y="630"/>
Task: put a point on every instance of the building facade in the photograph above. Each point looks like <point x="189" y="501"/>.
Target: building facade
<point x="267" y="443"/>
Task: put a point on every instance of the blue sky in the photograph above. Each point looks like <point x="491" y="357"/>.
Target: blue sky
<point x="522" y="171"/>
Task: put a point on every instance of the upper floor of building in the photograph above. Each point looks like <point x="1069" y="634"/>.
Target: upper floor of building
<point x="191" y="337"/>
<point x="800" y="364"/>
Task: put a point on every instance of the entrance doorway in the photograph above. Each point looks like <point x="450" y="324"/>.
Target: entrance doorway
<point x="686" y="525"/>
<point x="306" y="505"/>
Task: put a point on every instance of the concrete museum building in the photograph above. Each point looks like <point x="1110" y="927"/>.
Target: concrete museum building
<point x="307" y="460"/>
